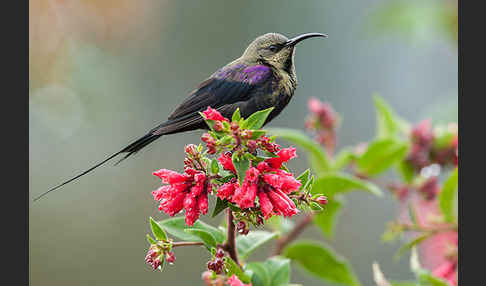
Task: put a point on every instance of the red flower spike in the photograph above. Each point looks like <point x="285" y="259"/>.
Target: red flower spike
<point x="226" y="161"/>
<point x="212" y="114"/>
<point x="284" y="155"/>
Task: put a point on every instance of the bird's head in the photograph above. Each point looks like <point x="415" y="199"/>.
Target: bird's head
<point x="275" y="49"/>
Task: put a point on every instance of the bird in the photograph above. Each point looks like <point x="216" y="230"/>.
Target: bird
<point x="262" y="77"/>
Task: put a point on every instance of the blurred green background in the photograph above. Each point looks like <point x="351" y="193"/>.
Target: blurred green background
<point x="102" y="73"/>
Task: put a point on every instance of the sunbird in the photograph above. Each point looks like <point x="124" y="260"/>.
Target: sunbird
<point x="263" y="77"/>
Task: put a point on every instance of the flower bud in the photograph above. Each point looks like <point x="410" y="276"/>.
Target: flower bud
<point x="234" y="126"/>
<point x="207" y="138"/>
<point x="218" y="126"/>
<point x="170" y="257"/>
<point x="242" y="228"/>
<point x="219" y="253"/>
<point x="191" y="149"/>
<point x="322" y="200"/>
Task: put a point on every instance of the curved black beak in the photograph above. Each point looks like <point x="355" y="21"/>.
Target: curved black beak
<point x="294" y="41"/>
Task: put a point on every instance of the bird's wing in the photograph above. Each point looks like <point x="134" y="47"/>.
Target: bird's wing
<point x="230" y="84"/>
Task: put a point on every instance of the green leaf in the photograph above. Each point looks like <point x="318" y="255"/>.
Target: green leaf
<point x="322" y="262"/>
<point x="260" y="276"/>
<point x="446" y="196"/>
<point x="206" y="237"/>
<point x="158" y="232"/>
<point x="220" y="206"/>
<point x="257" y="119"/>
<point x="245" y="244"/>
<point x="233" y="268"/>
<point x="331" y="184"/>
<point x="241" y="166"/>
<point x="150" y="239"/>
<point x="380" y="155"/>
<point x="326" y="220"/>
<point x="214" y="166"/>
<point x="303" y="178"/>
<point x="176" y="226"/>
<point x="236" y="115"/>
<point x="279" y="270"/>
<point x="317" y="156"/>
<point x="406" y="170"/>
<point x="257" y="134"/>
<point x="316" y="206"/>
<point x="386" y="119"/>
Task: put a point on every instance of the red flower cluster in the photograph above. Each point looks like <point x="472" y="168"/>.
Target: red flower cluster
<point x="154" y="257"/>
<point x="424" y="151"/>
<point x="323" y="121"/>
<point x="267" y="182"/>
<point x="422" y="139"/>
<point x="188" y="191"/>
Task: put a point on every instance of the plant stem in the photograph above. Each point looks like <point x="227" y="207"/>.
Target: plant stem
<point x="298" y="229"/>
<point x="230" y="245"/>
<point x="186" y="243"/>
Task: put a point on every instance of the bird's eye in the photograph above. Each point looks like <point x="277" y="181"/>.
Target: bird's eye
<point x="274" y="48"/>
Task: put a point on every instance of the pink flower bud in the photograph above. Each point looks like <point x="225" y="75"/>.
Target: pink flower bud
<point x="191" y="149"/>
<point x="322" y="200"/>
<point x="219" y="253"/>
<point x="218" y="126"/>
<point x="234" y="126"/>
<point x="170" y="257"/>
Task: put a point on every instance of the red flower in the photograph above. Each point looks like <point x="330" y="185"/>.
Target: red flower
<point x="226" y="161"/>
<point x="234" y="281"/>
<point x="265" y="204"/>
<point x="188" y="191"/>
<point x="212" y="114"/>
<point x="170" y="177"/>
<point x="284" y="155"/>
<point x="282" y="204"/>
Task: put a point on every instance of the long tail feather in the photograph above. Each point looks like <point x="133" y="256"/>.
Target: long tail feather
<point x="130" y="150"/>
<point x="74" y="178"/>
